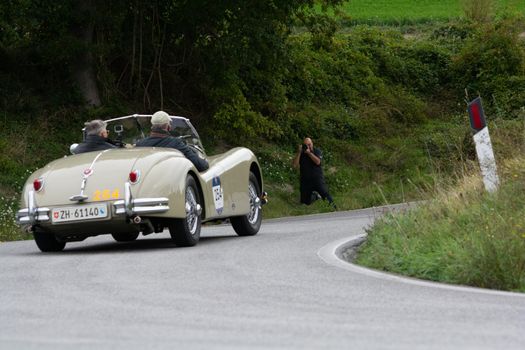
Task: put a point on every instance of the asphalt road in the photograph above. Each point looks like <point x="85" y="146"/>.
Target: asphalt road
<point x="278" y="289"/>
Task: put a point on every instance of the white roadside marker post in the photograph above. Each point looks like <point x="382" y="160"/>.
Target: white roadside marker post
<point x="486" y="159"/>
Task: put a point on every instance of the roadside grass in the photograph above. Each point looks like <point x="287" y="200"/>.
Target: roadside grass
<point x="9" y="231"/>
<point x="462" y="236"/>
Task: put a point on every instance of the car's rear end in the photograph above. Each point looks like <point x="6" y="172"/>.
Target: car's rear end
<point x="101" y="192"/>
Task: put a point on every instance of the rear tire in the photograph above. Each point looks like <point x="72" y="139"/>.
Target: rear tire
<point x="47" y="242"/>
<point x="186" y="232"/>
<point x="249" y="224"/>
<point x="125" y="236"/>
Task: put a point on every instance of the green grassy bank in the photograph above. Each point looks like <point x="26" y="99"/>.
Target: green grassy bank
<point x="462" y="236"/>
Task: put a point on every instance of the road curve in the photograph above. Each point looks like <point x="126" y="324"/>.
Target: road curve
<point x="274" y="290"/>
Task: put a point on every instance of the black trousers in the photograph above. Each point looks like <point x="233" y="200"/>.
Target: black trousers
<point x="308" y="185"/>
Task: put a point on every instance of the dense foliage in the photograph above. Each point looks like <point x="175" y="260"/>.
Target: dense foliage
<point x="191" y="56"/>
<point x="236" y="67"/>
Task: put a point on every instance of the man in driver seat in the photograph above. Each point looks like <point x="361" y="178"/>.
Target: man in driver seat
<point x="160" y="137"/>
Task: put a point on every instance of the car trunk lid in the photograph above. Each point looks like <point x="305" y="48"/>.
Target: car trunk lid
<point x="92" y="176"/>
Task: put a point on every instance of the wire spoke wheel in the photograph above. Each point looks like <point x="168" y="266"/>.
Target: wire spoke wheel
<point x="186" y="231"/>
<point x="192" y="217"/>
<point x="249" y="224"/>
<point x="255" y="206"/>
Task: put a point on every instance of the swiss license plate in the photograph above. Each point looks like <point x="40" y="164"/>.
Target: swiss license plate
<point x="79" y="213"/>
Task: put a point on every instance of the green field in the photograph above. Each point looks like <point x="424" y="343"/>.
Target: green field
<point x="417" y="11"/>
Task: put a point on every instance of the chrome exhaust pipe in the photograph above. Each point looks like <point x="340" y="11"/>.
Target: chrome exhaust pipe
<point x="137" y="219"/>
<point x="264" y="198"/>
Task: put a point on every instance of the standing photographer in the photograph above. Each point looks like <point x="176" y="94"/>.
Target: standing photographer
<point x="308" y="159"/>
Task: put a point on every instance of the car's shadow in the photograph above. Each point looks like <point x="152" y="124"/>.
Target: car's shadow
<point x="139" y="245"/>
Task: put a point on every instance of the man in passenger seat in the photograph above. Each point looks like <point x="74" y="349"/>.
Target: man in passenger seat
<point x="96" y="138"/>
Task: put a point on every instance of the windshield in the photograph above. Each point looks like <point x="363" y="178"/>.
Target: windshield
<point x="133" y="128"/>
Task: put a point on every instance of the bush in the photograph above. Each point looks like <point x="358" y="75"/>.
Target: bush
<point x="9" y="231"/>
<point x="371" y="74"/>
<point x="237" y="124"/>
<point x="492" y="64"/>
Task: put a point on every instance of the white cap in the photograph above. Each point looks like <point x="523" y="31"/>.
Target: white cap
<point x="160" y="118"/>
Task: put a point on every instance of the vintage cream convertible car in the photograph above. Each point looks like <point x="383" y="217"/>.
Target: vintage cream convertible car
<point x="127" y="191"/>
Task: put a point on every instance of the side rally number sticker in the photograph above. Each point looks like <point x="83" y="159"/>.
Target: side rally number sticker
<point x="217" y="194"/>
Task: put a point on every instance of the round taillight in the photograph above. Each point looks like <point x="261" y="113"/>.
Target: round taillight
<point x="134" y="176"/>
<point x="38" y="184"/>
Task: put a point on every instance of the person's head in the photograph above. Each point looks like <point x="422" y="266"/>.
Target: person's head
<point x="160" y="121"/>
<point x="97" y="127"/>
<point x="308" y="142"/>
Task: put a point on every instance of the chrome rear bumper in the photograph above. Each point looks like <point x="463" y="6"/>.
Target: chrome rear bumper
<point x="135" y="206"/>
<point x="32" y="214"/>
<point x="25" y="216"/>
<point x="141" y="206"/>
<point x="128" y="206"/>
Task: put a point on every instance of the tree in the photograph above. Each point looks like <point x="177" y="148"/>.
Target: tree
<point x="52" y="39"/>
<point x="82" y="68"/>
<point x="188" y="54"/>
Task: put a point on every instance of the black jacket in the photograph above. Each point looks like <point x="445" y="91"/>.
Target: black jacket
<point x="310" y="170"/>
<point x="160" y="140"/>
<point x="93" y="143"/>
